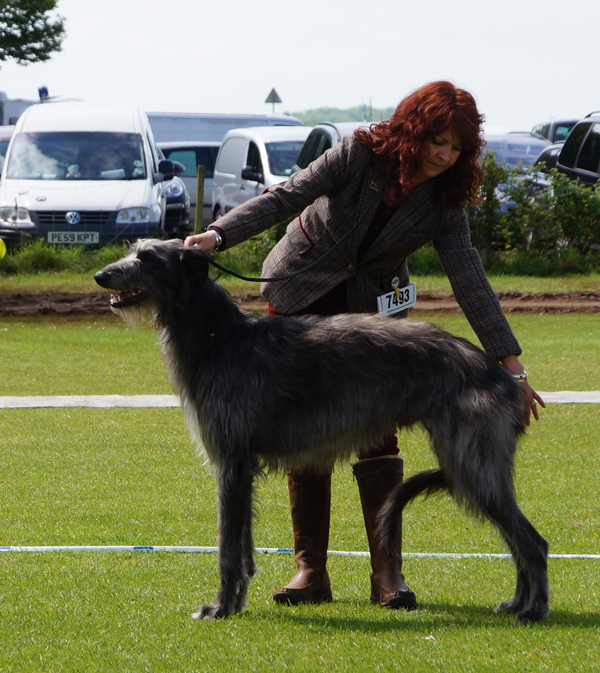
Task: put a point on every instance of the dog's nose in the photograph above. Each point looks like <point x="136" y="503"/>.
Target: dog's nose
<point x="101" y="277"/>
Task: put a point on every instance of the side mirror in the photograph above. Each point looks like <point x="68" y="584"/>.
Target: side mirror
<point x="249" y="173"/>
<point x="170" y="169"/>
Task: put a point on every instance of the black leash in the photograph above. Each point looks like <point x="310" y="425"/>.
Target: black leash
<point x="289" y="275"/>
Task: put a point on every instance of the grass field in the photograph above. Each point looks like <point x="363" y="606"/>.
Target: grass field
<point x="132" y="477"/>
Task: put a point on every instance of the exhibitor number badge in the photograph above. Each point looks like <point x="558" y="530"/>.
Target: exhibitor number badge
<point x="398" y="299"/>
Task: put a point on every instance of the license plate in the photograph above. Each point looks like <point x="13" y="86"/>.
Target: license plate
<point x="66" y="237"/>
<point x="397" y="300"/>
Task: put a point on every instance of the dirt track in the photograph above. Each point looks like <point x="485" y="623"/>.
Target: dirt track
<point x="25" y="304"/>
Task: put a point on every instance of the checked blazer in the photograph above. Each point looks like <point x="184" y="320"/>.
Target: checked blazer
<point x="341" y="190"/>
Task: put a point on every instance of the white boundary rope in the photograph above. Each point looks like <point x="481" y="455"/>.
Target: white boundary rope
<point x="260" y="550"/>
<point x="164" y="401"/>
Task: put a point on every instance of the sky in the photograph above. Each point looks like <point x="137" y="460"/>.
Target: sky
<point x="525" y="61"/>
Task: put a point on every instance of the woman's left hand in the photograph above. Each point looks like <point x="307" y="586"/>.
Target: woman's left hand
<point x="514" y="366"/>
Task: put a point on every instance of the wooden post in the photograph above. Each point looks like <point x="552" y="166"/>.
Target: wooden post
<point x="198" y="228"/>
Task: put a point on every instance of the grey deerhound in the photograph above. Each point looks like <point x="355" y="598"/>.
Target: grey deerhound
<point x="297" y="392"/>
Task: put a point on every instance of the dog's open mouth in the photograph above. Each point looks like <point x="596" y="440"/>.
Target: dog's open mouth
<point x="123" y="298"/>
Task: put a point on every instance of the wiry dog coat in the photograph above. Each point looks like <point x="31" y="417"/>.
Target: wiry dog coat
<point x="285" y="392"/>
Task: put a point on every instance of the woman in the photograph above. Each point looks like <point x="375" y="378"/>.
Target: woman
<point x="380" y="194"/>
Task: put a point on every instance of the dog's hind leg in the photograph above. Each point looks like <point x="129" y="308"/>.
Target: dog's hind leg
<point x="235" y="483"/>
<point x="530" y="553"/>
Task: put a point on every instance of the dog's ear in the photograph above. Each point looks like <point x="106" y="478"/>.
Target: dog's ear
<point x="195" y="260"/>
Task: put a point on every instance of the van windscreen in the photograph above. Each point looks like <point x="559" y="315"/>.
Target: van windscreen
<point x="282" y="156"/>
<point x="80" y="155"/>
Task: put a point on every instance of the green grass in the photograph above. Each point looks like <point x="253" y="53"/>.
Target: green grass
<point x="131" y="476"/>
<point x="79" y="356"/>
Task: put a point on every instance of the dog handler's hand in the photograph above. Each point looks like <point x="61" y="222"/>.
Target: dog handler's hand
<point x="207" y="241"/>
<point x="513" y="365"/>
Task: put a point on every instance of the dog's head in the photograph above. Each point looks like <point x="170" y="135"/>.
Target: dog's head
<point x="152" y="279"/>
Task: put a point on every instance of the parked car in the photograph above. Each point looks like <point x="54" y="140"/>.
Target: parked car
<point x="83" y="173"/>
<point x="194" y="153"/>
<point x="549" y="156"/>
<point x="251" y="160"/>
<point x="516" y="148"/>
<point x="555" y="131"/>
<point x="580" y="155"/>
<point x="177" y="207"/>
<point x="322" y="137"/>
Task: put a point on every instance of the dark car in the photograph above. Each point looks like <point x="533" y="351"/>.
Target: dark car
<point x="549" y="157"/>
<point x="580" y="155"/>
<point x="555" y="131"/>
<point x="177" y="207"/>
<point x="322" y="137"/>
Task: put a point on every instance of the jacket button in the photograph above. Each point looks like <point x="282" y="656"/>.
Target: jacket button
<point x="351" y="268"/>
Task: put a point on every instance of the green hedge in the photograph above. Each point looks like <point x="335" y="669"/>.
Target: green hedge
<point x="543" y="232"/>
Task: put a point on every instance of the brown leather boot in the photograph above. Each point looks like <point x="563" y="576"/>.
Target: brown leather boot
<point x="376" y="478"/>
<point x="310" y="502"/>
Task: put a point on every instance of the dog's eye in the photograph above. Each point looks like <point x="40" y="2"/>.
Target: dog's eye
<point x="145" y="257"/>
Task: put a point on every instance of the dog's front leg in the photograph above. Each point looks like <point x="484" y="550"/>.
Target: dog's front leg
<point x="235" y="491"/>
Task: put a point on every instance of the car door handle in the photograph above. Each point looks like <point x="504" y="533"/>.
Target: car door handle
<point x="242" y="188"/>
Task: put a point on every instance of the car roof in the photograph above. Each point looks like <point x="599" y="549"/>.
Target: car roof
<point x="270" y="133"/>
<point x="78" y="116"/>
<point x="517" y="137"/>
<point x="341" y="129"/>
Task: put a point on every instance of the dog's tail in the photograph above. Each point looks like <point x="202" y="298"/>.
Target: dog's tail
<point x="390" y="518"/>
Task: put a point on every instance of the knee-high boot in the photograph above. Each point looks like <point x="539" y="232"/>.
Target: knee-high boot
<point x="376" y="478"/>
<point x="310" y="502"/>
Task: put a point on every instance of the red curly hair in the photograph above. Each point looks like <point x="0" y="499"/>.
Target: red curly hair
<point x="401" y="140"/>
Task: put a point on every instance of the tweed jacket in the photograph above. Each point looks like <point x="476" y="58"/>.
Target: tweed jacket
<point x="341" y="190"/>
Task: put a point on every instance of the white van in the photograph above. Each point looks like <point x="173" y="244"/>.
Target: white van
<point x="82" y="173"/>
<point x="251" y="160"/>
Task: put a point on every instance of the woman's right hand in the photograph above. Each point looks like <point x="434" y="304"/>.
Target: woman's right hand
<point x="207" y="241"/>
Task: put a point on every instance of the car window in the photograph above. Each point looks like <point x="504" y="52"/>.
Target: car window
<point x="83" y="155"/>
<point x="561" y="131"/>
<point x="206" y="156"/>
<point x="572" y="145"/>
<point x="282" y="156"/>
<point x="318" y="144"/>
<point x="253" y="158"/>
<point x="232" y="151"/>
<point x="589" y="157"/>
<point x="185" y="157"/>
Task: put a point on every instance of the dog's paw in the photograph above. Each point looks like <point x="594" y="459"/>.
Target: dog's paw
<point x="534" y="613"/>
<point x="507" y="606"/>
<point x="212" y="611"/>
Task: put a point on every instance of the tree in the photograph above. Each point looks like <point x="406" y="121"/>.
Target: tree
<point x="29" y="31"/>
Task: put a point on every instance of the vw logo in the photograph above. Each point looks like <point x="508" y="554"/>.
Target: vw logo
<point x="72" y="217"/>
